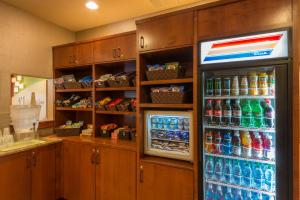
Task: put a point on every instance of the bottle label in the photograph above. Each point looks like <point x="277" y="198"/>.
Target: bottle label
<point x="227" y="113"/>
<point x="218" y="113"/>
<point x="237" y="150"/>
<point x="237" y="113"/>
<point x="209" y="113"/>
<point x="269" y="115"/>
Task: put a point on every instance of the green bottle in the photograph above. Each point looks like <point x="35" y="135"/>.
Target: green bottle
<point x="247" y="118"/>
<point x="258" y="114"/>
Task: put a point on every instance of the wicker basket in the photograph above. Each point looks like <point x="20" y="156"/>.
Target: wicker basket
<point x="63" y="132"/>
<point x="113" y="83"/>
<point x="105" y="134"/>
<point x="72" y="85"/>
<point x="101" y="84"/>
<point x="86" y="84"/>
<point x="168" y="97"/>
<point x="165" y="74"/>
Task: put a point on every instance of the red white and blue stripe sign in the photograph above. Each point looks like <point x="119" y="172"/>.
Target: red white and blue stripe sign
<point x="254" y="47"/>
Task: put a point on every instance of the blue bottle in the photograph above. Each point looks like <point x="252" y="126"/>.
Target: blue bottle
<point x="258" y="177"/>
<point x="228" y="194"/>
<point x="270" y="179"/>
<point x="219" y="169"/>
<point x="209" y="168"/>
<point x="228" y="171"/>
<point x="209" y="193"/>
<point x="248" y="195"/>
<point x="227" y="143"/>
<point x="257" y="196"/>
<point x="237" y="173"/>
<point x="247" y="174"/>
<point x="238" y="195"/>
<point x="219" y="193"/>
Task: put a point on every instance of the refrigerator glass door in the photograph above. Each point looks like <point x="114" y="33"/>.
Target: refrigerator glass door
<point x="239" y="134"/>
<point x="169" y="134"/>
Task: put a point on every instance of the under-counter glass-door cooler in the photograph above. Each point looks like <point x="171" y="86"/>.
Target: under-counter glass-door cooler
<point x="245" y="119"/>
<point x="169" y="134"/>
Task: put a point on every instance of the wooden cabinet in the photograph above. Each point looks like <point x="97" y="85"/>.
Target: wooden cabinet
<point x="116" y="175"/>
<point x="161" y="182"/>
<point x="114" y="49"/>
<point x="43" y="173"/>
<point x="166" y="31"/>
<point x="71" y="55"/>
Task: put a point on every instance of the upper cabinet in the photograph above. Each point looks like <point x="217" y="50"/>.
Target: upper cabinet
<point x="71" y="55"/>
<point x="244" y="17"/>
<point x="166" y="31"/>
<point x="117" y="48"/>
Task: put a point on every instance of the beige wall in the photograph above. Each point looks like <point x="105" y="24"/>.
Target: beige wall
<point x="25" y="48"/>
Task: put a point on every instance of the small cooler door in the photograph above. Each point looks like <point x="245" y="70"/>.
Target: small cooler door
<point x="245" y="133"/>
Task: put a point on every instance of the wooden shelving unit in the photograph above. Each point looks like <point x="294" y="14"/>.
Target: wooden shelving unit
<point x="164" y="82"/>
<point x="116" y="89"/>
<point x="179" y="106"/>
<point x="115" y="113"/>
<point x="74" y="90"/>
<point x="75" y="109"/>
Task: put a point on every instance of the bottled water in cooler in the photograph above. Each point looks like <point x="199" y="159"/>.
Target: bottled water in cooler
<point x="209" y="193"/>
<point x="209" y="168"/>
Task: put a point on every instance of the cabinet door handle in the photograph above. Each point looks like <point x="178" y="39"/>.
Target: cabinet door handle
<point x="141" y="174"/>
<point x="142" y="42"/>
<point x="75" y="61"/>
<point x="93" y="157"/>
<point x="119" y="52"/>
<point x="34" y="159"/>
<point x="97" y="157"/>
<point x="114" y="53"/>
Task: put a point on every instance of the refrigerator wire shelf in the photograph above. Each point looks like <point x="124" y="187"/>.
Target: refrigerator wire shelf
<point x="269" y="130"/>
<point x="239" y="97"/>
<point x="168" y="140"/>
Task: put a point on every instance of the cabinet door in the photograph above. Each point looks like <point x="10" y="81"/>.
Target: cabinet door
<point x="43" y="173"/>
<point x="116" y="175"/>
<point x="164" y="183"/>
<point x="78" y="171"/>
<point x="169" y="31"/>
<point x="127" y="47"/>
<point x="15" y="177"/>
<point x="105" y="50"/>
<point x="83" y="54"/>
<point x="63" y="56"/>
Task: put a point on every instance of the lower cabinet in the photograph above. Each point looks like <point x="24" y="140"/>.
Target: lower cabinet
<point x="28" y="175"/>
<point x="159" y="182"/>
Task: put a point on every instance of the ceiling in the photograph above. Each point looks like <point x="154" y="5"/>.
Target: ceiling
<point x="73" y="15"/>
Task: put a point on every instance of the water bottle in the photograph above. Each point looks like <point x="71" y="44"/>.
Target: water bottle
<point x="209" y="193"/>
<point x="228" y="195"/>
<point x="238" y="195"/>
<point x="219" y="193"/>
<point x="219" y="170"/>
<point x="247" y="175"/>
<point x="209" y="168"/>
<point x="257" y="196"/>
<point x="228" y="171"/>
<point x="270" y="179"/>
<point x="258" y="177"/>
<point x="248" y="195"/>
<point x="268" y="197"/>
<point x="237" y="173"/>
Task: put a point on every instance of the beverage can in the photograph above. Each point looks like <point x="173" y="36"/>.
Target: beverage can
<point x="244" y="86"/>
<point x="252" y="76"/>
<point x="226" y="86"/>
<point x="209" y="86"/>
<point x="235" y="86"/>
<point x="263" y="84"/>
<point x="218" y="87"/>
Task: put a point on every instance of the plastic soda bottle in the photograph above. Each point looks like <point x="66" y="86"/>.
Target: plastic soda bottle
<point x="248" y="195"/>
<point x="246" y="145"/>
<point x="227" y="113"/>
<point x="247" y="174"/>
<point x="218" y="112"/>
<point x="227" y="143"/>
<point x="252" y="77"/>
<point x="271" y="82"/>
<point x="208" y="141"/>
<point x="228" y="194"/>
<point x="219" y="169"/>
<point x="236" y="144"/>
<point x="237" y="172"/>
<point x="238" y="195"/>
<point x="209" y="193"/>
<point x="228" y="171"/>
<point x="247" y="118"/>
<point x="269" y="114"/>
<point x="219" y="193"/>
<point x="263" y="84"/>
<point x="209" y="112"/>
<point x="209" y="168"/>
<point x="235" y="86"/>
<point x="268" y="147"/>
<point x="217" y="144"/>
<point x="258" y="114"/>
<point x="258" y="177"/>
<point x="257" y="146"/>
<point x="270" y="179"/>
<point x="236" y="113"/>
<point x="244" y="86"/>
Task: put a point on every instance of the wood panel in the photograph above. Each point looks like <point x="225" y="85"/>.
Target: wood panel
<point x="15" y="177"/>
<point x="164" y="182"/>
<point x="62" y="56"/>
<point x="43" y="173"/>
<point x="116" y="175"/>
<point x="244" y="17"/>
<point x="168" y="31"/>
<point x="84" y="53"/>
<point x="104" y="50"/>
<point x="127" y="46"/>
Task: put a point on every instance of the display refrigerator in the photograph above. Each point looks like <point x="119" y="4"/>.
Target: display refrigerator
<point x="169" y="134"/>
<point x="244" y="113"/>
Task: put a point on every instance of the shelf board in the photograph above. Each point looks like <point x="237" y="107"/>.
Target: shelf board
<point x="75" y="109"/>
<point x="75" y="90"/>
<point x="153" y="105"/>
<point x="167" y="161"/>
<point x="115" y="113"/>
<point x="241" y="158"/>
<point x="269" y="130"/>
<point x="116" y="89"/>
<point x="171" y="81"/>
<point x="239" y="97"/>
